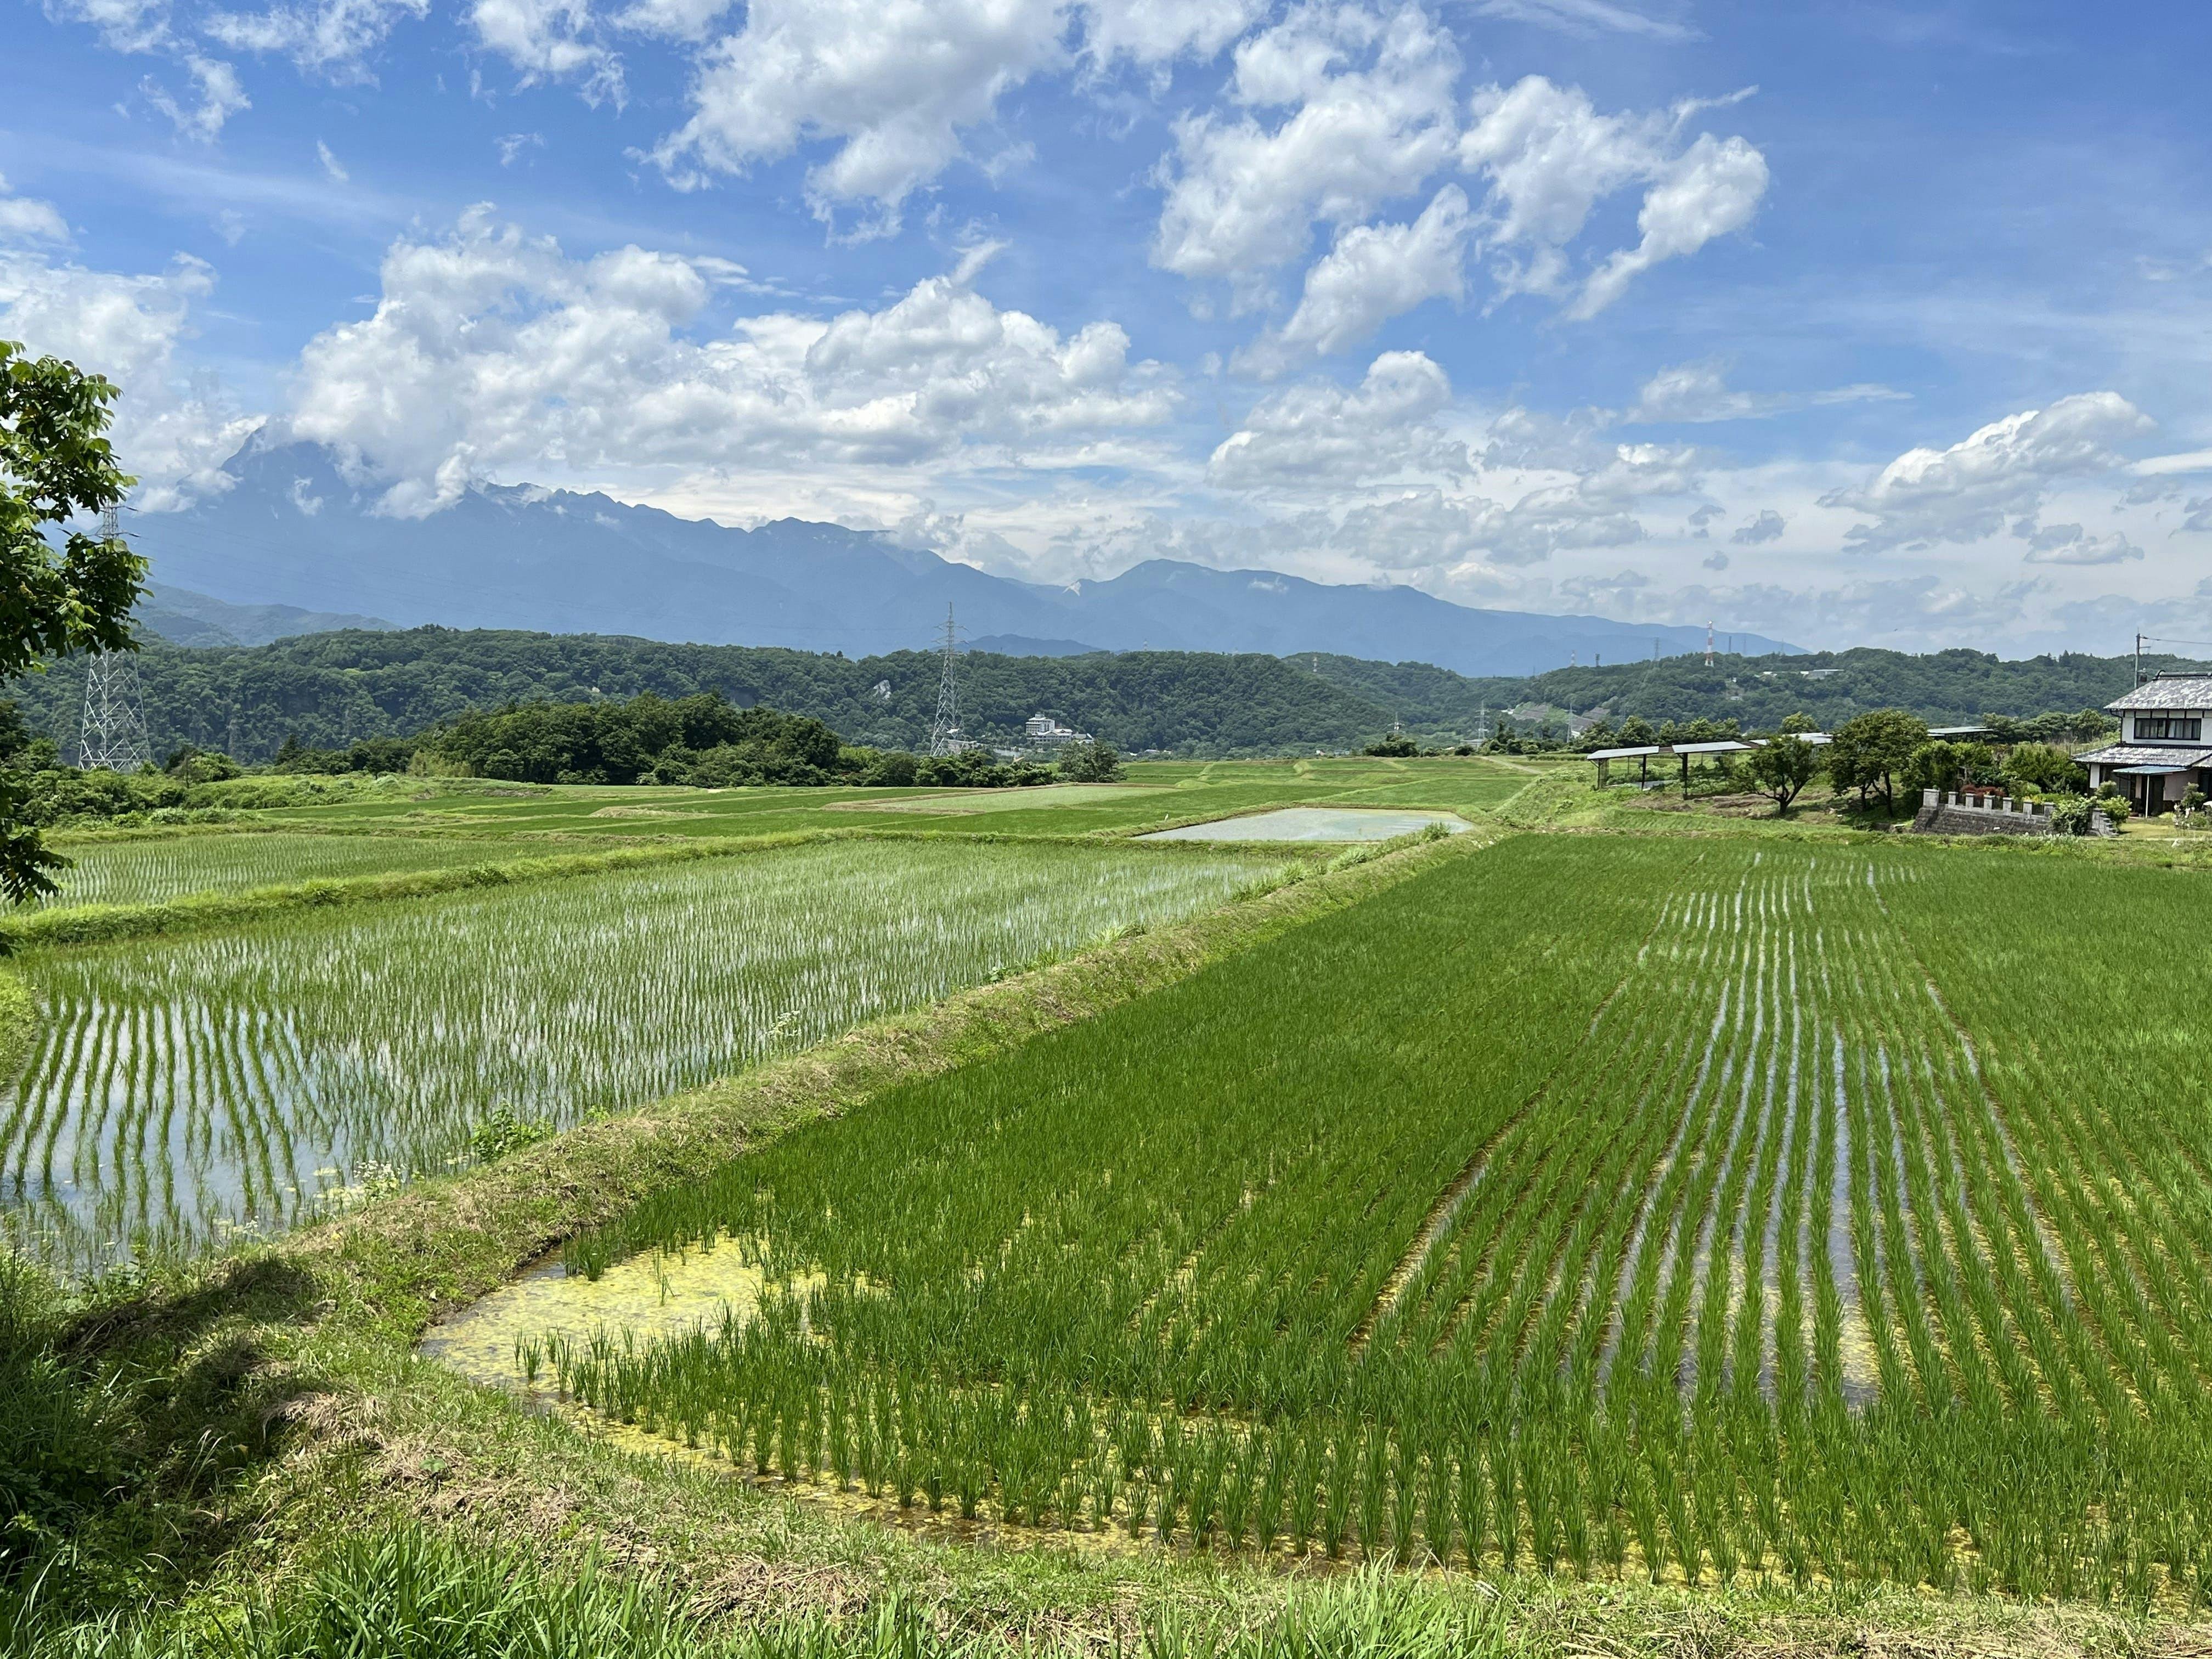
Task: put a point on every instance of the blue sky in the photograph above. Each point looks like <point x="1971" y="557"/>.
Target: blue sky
<point x="1848" y="322"/>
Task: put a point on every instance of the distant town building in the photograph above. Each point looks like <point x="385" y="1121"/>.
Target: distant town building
<point x="1046" y="731"/>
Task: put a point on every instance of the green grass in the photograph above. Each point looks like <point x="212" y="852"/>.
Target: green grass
<point x="182" y="1089"/>
<point x="1608" y="1205"/>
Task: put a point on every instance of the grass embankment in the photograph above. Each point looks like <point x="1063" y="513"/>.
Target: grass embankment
<point x="260" y="1412"/>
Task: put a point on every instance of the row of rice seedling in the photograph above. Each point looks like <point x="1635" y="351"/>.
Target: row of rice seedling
<point x="1626" y="1206"/>
<point x="157" y="868"/>
<point x="187" y="1087"/>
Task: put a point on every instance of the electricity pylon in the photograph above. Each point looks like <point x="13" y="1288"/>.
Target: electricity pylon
<point x="112" y="733"/>
<point x="944" y="737"/>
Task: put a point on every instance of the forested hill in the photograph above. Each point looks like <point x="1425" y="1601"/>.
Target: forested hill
<point x="330" y="689"/>
<point x="1946" y="688"/>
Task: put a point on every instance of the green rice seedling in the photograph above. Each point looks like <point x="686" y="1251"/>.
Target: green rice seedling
<point x="1139" y="1503"/>
<point x="1105" y="1487"/>
<point x="1374" y="1491"/>
<point x="1273" y="1481"/>
<point x="1209" y="1470"/>
<point x="1471" y="1500"/>
<point x="1305" y="1491"/>
<point x="1339" y="1483"/>
<point x="1505" y="1482"/>
<point x="1240" y="1489"/>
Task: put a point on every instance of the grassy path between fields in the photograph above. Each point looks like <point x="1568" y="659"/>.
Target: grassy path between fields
<point x="269" y="1414"/>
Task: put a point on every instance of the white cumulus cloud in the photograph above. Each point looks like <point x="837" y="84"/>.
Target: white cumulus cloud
<point x="1318" y="433"/>
<point x="1343" y="111"/>
<point x="550" y="41"/>
<point x="26" y="219"/>
<point x="892" y="86"/>
<point x="2069" y="543"/>
<point x="493" y="353"/>
<point x="2004" y="470"/>
<point x="1549" y="157"/>
<point x="172" y="429"/>
<point x="1699" y="392"/>
<point x="1373" y="273"/>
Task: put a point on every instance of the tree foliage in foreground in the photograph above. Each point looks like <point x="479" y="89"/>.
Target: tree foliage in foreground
<point x="62" y="590"/>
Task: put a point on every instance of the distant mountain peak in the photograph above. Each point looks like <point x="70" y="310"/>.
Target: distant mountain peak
<point x="301" y="529"/>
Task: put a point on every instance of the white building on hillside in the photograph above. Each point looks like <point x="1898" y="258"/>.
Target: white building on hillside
<point x="1046" y="731"/>
<point x="2165" y="749"/>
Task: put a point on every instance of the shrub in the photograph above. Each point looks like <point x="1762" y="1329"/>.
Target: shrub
<point x="1091" y="761"/>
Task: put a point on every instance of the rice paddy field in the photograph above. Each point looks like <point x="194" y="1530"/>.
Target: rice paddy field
<point x="184" y="1091"/>
<point x="1156" y="793"/>
<point x="1833" y="1212"/>
<point x="153" y="869"/>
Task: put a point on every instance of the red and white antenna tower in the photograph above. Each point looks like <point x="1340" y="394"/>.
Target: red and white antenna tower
<point x="1709" y="645"/>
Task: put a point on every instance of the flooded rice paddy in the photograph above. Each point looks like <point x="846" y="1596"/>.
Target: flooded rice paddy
<point x="186" y="1090"/>
<point x="154" y="869"/>
<point x="1314" y="823"/>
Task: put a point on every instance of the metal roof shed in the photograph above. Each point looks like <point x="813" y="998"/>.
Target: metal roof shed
<point x="1641" y="754"/>
<point x="1725" y="746"/>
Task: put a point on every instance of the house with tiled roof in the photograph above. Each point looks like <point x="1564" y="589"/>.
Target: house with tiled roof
<point x="2165" y="749"/>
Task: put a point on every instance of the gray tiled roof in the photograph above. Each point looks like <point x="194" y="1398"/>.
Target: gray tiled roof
<point x="2144" y="754"/>
<point x="2168" y="691"/>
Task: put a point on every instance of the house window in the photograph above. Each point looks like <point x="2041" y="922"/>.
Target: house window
<point x="2179" y="728"/>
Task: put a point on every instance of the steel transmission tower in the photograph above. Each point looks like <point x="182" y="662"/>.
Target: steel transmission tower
<point x="944" y="737"/>
<point x="113" y="734"/>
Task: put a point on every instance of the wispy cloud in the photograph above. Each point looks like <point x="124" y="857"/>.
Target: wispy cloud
<point x="1589" y="17"/>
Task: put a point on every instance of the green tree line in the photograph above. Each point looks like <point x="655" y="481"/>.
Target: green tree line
<point x="332" y="690"/>
<point x="1943" y="688"/>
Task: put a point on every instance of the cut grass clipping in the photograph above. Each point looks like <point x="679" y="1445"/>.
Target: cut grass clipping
<point x="1691" y="1211"/>
<point x="183" y="1089"/>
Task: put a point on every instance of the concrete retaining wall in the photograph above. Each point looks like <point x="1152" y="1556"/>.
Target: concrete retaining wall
<point x="1943" y="813"/>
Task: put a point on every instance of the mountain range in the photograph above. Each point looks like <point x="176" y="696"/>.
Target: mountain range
<point x="184" y="617"/>
<point x="294" y="531"/>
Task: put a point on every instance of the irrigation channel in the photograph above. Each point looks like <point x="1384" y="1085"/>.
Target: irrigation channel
<point x="1700" y="1209"/>
<point x="186" y="1091"/>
